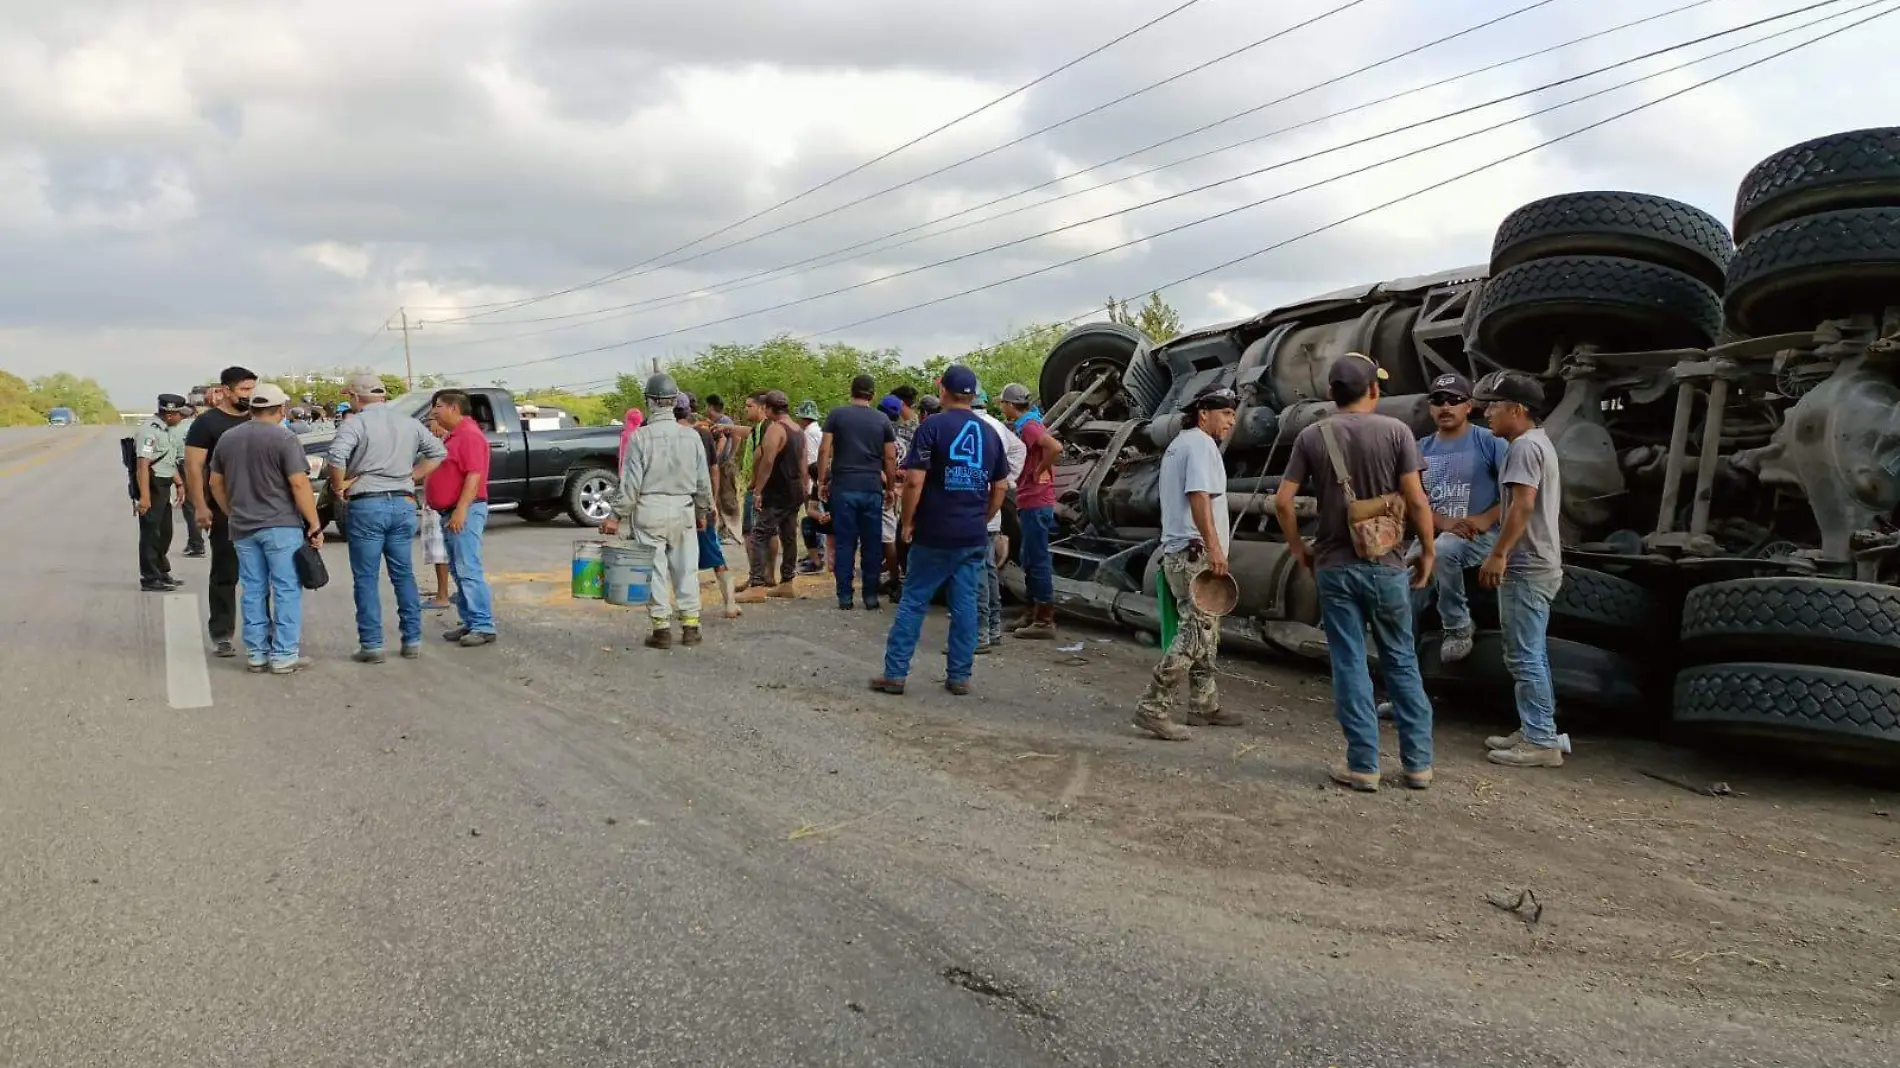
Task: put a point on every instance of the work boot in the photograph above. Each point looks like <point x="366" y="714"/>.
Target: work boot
<point x="455" y="634"/>
<point x="1505" y="741"/>
<point x="784" y="591"/>
<point x="1023" y="619"/>
<point x="368" y="656"/>
<point x="1217" y="718"/>
<point x="689" y="634"/>
<point x="291" y="667"/>
<point x="1526" y="755"/>
<point x="960" y="688"/>
<point x="753" y="595"/>
<point x="1159" y="725"/>
<point x="1366" y="782"/>
<point x="1456" y="646"/>
<point x="477" y="637"/>
<point x="661" y="638"/>
<point x="1421" y="779"/>
<point x="894" y="687"/>
<point x="412" y="652"/>
<point x="1042" y="624"/>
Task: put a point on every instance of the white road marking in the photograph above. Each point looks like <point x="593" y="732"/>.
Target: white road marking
<point x="187" y="682"/>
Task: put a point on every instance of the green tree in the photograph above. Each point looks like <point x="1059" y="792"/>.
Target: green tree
<point x="1017" y="358"/>
<point x="16" y="402"/>
<point x="588" y="411"/>
<point x="86" y="397"/>
<point x="1156" y="318"/>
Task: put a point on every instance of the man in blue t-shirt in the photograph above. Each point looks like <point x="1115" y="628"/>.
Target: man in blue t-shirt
<point x="1462" y="463"/>
<point x="955" y="476"/>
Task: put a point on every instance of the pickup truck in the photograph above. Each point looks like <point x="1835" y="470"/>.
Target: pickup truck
<point x="61" y="417"/>
<point x="538" y="474"/>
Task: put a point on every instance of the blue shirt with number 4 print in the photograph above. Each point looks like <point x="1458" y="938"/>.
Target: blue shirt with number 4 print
<point x="960" y="456"/>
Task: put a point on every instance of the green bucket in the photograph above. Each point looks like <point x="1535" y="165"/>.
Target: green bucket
<point x="589" y="569"/>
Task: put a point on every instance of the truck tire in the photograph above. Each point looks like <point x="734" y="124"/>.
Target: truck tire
<point x="1082" y="354"/>
<point x="1790" y="277"/>
<point x="1795" y="620"/>
<point x="1635" y="226"/>
<point x="1609" y="301"/>
<point x="1854" y="711"/>
<point x="590" y="496"/>
<point x="1593" y="607"/>
<point x="1582" y="676"/>
<point x="1857" y="169"/>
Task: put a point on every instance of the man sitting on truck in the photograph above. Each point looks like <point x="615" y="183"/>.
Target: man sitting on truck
<point x="1462" y="462"/>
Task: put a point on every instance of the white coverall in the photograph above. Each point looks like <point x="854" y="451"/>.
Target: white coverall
<point x="664" y="486"/>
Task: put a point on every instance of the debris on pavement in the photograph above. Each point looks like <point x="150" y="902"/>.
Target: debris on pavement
<point x="1525" y="906"/>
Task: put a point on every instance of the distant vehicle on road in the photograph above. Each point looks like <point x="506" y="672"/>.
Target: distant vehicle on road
<point x="536" y="473"/>
<point x="61" y="417"/>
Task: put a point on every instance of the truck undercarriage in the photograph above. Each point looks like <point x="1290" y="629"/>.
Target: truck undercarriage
<point x="1728" y="419"/>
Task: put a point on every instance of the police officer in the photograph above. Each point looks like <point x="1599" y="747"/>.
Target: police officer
<point x="198" y="400"/>
<point x="160" y="452"/>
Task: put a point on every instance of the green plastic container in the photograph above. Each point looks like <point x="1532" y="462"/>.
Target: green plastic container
<point x="589" y="570"/>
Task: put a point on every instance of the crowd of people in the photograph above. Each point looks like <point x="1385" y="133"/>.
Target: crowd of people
<point x="902" y="496"/>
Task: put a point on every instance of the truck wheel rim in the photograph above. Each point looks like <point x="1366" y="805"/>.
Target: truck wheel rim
<point x="594" y="500"/>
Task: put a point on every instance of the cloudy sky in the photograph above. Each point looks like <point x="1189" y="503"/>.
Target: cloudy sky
<point x="190" y="183"/>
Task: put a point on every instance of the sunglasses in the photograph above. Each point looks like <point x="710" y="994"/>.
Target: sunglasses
<point x="1446" y="400"/>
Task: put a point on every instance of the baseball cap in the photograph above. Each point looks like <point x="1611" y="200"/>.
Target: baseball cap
<point x="1014" y="393"/>
<point x="891" y="406"/>
<point x="267" y="395"/>
<point x="367" y="386"/>
<point x="1513" y="387"/>
<point x="1355" y="371"/>
<point x="959" y="380"/>
<point x="929" y="404"/>
<point x="775" y="399"/>
<point x="1453" y="383"/>
<point x="863" y="386"/>
<point x="683" y="402"/>
<point x="172" y="404"/>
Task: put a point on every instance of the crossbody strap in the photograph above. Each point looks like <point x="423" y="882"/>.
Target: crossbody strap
<point x="1338" y="459"/>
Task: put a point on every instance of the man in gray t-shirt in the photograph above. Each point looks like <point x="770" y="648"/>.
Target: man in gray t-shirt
<point x="1526" y="565"/>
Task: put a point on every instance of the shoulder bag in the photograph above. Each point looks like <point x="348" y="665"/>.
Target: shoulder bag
<point x="1377" y="524"/>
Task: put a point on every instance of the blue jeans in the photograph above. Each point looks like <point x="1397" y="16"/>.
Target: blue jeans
<point x="384" y="528"/>
<point x="930" y="568"/>
<point x="857" y="525"/>
<point x="1039" y="525"/>
<point x="1524" y="610"/>
<point x="1351" y="597"/>
<point x="1455" y="554"/>
<point x="472" y="597"/>
<point x="267" y="565"/>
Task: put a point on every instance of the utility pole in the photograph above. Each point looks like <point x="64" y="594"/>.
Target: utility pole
<point x="408" y="364"/>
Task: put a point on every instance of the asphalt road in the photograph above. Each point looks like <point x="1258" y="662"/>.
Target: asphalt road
<point x="565" y="850"/>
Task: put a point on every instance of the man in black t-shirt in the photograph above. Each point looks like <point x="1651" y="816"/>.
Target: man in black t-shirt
<point x="233" y="410"/>
<point x="857" y="473"/>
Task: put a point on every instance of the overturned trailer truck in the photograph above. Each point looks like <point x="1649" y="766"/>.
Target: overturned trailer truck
<point x="1727" y="415"/>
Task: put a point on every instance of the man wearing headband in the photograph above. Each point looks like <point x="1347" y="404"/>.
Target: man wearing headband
<point x="1194" y="538"/>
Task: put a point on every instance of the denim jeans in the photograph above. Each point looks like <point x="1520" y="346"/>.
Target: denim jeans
<point x="1524" y="610"/>
<point x="1039" y="525"/>
<point x="1351" y="598"/>
<point x="473" y="599"/>
<point x="857" y="525"/>
<point x="267" y="567"/>
<point x="930" y="569"/>
<point x="1455" y="554"/>
<point x="384" y="528"/>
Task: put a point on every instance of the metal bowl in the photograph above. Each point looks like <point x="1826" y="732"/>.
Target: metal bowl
<point x="1214" y="594"/>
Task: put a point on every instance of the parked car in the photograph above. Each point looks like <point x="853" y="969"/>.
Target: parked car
<point x="538" y="474"/>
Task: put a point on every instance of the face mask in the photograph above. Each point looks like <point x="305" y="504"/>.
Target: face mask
<point x="242" y="404"/>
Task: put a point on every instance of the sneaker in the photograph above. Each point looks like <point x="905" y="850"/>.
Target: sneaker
<point x="983" y="648"/>
<point x="368" y="656"/>
<point x="784" y="591"/>
<point x="1505" y="741"/>
<point x="176" y="584"/>
<point x="412" y="652"/>
<point x="872" y="604"/>
<point x="224" y="650"/>
<point x="476" y="638"/>
<point x="1366" y="782"/>
<point x="257" y="667"/>
<point x="1526" y="755"/>
<point x="1456" y="646"/>
<point x="959" y="688"/>
<point x="455" y="634"/>
<point x="1159" y="725"/>
<point x="195" y="554"/>
<point x="1218" y="718"/>
<point x="291" y="667"/>
<point x="1385" y="711"/>
<point x="436" y="604"/>
<point x="689" y="634"/>
<point x="1418" y="780"/>
<point x="154" y="586"/>
<point x="806" y="567"/>
<point x="894" y="687"/>
<point x="846" y="606"/>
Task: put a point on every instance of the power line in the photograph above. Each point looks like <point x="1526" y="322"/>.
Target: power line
<point x="1230" y="211"/>
<point x="650" y="264"/>
<point x="760" y="277"/>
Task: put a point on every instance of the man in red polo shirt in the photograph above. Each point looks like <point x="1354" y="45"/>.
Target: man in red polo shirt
<point x="458" y="490"/>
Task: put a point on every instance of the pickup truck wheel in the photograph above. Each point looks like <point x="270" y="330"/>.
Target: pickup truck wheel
<point x="591" y="493"/>
<point x="1790" y="277"/>
<point x="1637" y="226"/>
<point x="1852" y="714"/>
<point x="1794" y="620"/>
<point x="1857" y="169"/>
<point x="1615" y="303"/>
<point x="539" y="513"/>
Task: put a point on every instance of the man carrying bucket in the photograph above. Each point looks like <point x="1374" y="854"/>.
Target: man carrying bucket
<point x="665" y="498"/>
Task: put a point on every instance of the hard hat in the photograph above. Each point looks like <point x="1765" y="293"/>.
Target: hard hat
<point x="660" y="386"/>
